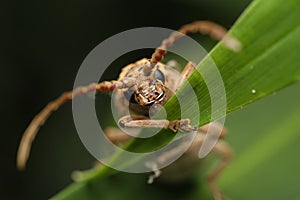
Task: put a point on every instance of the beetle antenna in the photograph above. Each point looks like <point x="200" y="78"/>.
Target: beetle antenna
<point x="214" y="30"/>
<point x="33" y="128"/>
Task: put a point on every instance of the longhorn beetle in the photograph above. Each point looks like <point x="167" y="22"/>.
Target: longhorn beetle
<point x="148" y="81"/>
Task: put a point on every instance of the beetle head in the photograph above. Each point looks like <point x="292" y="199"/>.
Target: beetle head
<point x="149" y="91"/>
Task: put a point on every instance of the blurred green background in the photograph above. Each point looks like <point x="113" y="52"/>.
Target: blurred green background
<point x="43" y="44"/>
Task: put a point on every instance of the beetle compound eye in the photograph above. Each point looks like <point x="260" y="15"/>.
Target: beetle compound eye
<point x="128" y="95"/>
<point x="159" y="75"/>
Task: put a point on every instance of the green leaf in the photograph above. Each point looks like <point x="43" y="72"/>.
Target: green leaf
<point x="265" y="137"/>
<point x="269" y="32"/>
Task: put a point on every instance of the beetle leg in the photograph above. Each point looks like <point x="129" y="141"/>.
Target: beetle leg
<point x="221" y="148"/>
<point x="225" y="152"/>
<point x="186" y="72"/>
<point x="188" y="69"/>
<point x="163" y="159"/>
<point x="214" y="127"/>
<point x="156" y="172"/>
<point x="116" y="135"/>
<point x="181" y="125"/>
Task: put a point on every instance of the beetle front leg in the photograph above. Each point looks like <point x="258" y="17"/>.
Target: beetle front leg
<point x="186" y="72"/>
<point x="142" y="122"/>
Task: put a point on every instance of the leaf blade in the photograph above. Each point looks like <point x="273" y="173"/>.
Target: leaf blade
<point x="247" y="71"/>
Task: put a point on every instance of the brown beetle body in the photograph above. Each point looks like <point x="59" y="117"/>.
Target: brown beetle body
<point x="124" y="99"/>
<point x="140" y="86"/>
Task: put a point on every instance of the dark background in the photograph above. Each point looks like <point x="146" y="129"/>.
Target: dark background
<point x="42" y="46"/>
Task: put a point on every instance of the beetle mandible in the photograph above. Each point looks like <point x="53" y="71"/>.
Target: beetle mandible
<point x="140" y="86"/>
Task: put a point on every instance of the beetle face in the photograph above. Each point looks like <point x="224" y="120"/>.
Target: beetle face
<point x="149" y="91"/>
